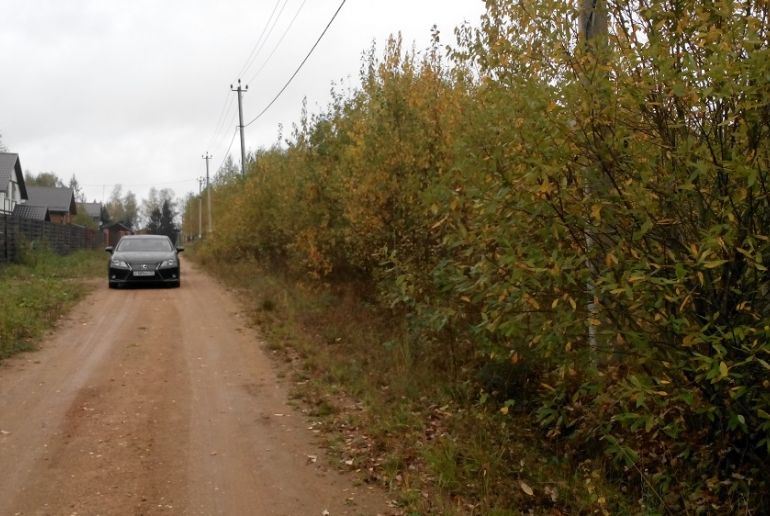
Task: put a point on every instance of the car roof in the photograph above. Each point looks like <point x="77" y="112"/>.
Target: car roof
<point x="144" y="236"/>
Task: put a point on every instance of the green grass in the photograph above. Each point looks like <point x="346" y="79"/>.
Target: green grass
<point x="35" y="293"/>
<point x="384" y="403"/>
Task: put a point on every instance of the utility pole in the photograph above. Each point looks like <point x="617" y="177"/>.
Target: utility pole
<point x="207" y="157"/>
<point x="593" y="19"/>
<point x="200" y="207"/>
<point x="241" y="126"/>
<point x="593" y="32"/>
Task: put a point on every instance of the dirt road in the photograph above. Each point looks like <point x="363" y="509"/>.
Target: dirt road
<point x="160" y="401"/>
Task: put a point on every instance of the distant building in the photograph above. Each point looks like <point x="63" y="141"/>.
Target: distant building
<point x="25" y="211"/>
<point x="12" y="188"/>
<point x="93" y="209"/>
<point x="59" y="201"/>
<point x="114" y="232"/>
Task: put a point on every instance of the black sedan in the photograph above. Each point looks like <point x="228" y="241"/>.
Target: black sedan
<point x="143" y="259"/>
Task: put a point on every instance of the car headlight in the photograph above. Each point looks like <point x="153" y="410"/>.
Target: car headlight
<point x="119" y="264"/>
<point x="171" y="262"/>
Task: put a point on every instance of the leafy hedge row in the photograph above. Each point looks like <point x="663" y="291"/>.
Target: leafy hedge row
<point x="591" y="223"/>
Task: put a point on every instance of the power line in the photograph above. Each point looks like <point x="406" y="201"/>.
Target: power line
<point x="138" y="185"/>
<point x="269" y="33"/>
<point x="227" y="152"/>
<point x="300" y="65"/>
<point x="220" y="141"/>
<point x="255" y="49"/>
<point x="221" y="120"/>
<point x="228" y="102"/>
<point x="280" y="40"/>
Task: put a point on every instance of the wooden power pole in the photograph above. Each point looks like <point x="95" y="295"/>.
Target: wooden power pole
<point x="593" y="35"/>
<point x="241" y="91"/>
<point x="207" y="157"/>
<point x="200" y="207"/>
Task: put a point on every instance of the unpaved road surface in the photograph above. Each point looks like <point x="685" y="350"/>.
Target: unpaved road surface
<point x="160" y="401"/>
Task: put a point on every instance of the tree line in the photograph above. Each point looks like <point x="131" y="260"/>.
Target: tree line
<point x="157" y="214"/>
<point x="590" y="233"/>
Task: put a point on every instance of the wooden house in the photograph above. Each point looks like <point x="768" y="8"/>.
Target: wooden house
<point x="60" y="202"/>
<point x="12" y="188"/>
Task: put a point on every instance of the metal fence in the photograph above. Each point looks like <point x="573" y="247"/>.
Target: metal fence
<point x="18" y="234"/>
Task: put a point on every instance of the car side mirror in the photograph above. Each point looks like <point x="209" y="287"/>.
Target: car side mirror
<point x="179" y="249"/>
<point x="109" y="249"/>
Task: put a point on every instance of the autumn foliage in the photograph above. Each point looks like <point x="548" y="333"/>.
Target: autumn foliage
<point x="490" y="191"/>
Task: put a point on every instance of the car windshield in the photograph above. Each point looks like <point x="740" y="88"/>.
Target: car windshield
<point x="144" y="244"/>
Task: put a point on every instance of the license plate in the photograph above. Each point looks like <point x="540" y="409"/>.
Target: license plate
<point x="144" y="273"/>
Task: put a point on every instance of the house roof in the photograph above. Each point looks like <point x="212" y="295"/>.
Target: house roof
<point x="9" y="165"/>
<point x="118" y="226"/>
<point x="25" y="211"/>
<point x="59" y="200"/>
<point x="94" y="209"/>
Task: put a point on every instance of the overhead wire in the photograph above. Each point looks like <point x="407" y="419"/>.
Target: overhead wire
<point x="269" y="33"/>
<point x="259" y="44"/>
<point x="264" y="36"/>
<point x="229" y="101"/>
<point x="226" y="106"/>
<point x="104" y="185"/>
<point x="300" y="65"/>
<point x="261" y="41"/>
<point x="278" y="43"/>
<point x="111" y="186"/>
<point x="227" y="152"/>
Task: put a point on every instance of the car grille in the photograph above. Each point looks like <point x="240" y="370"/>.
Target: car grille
<point x="143" y="266"/>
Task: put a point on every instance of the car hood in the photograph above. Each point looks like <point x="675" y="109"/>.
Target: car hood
<point x="144" y="256"/>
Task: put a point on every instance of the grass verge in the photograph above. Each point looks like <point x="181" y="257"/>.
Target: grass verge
<point x="399" y="418"/>
<point x="38" y="291"/>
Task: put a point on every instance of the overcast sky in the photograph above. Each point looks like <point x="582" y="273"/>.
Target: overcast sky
<point x="133" y="92"/>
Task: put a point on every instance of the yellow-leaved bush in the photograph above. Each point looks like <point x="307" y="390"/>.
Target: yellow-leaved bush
<point x="493" y="191"/>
